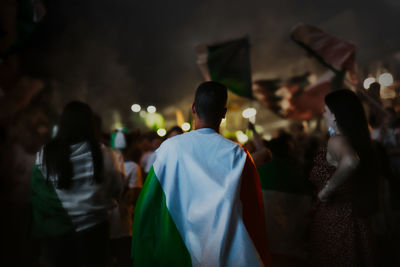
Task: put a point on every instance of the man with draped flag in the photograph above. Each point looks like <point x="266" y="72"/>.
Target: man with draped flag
<point x="201" y="204"/>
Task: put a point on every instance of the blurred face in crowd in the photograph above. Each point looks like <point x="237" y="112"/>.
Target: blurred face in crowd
<point x="329" y="118"/>
<point x="145" y="145"/>
<point x="156" y="143"/>
<point x="390" y="118"/>
<point x="173" y="133"/>
<point x="250" y="146"/>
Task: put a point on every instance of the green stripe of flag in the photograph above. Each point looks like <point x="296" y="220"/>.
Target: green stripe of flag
<point x="48" y="217"/>
<point x="156" y="240"/>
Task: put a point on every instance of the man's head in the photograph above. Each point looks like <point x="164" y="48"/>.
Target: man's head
<point x="210" y="103"/>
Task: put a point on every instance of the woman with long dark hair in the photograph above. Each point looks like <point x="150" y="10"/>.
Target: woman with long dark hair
<point x="345" y="180"/>
<point x="74" y="182"/>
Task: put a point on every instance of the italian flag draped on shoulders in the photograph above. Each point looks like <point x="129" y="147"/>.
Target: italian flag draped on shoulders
<point x="201" y="205"/>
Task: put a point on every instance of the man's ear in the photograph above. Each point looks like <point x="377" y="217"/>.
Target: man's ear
<point x="193" y="109"/>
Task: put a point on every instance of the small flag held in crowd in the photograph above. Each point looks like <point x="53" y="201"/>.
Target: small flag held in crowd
<point x="227" y="63"/>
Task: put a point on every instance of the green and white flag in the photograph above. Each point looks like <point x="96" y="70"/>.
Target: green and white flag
<point x="227" y="63"/>
<point x="48" y="216"/>
<point x="201" y="205"/>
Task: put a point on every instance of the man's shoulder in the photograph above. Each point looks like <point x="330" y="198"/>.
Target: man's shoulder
<point x="197" y="139"/>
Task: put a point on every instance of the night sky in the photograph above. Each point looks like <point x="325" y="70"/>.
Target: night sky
<point x="116" y="53"/>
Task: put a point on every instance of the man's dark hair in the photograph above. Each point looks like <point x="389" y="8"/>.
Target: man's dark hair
<point x="210" y="101"/>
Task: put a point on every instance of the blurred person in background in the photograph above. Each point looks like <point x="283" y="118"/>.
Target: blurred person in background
<point x="260" y="153"/>
<point x="387" y="137"/>
<point x="176" y="130"/>
<point x="287" y="202"/>
<point x="376" y="112"/>
<point x="149" y="156"/>
<point x="74" y="182"/>
<point x="121" y="216"/>
<point x="345" y="181"/>
<point x="388" y="134"/>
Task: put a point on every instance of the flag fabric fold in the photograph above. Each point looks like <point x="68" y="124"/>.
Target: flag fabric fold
<point x="159" y="243"/>
<point x="48" y="216"/>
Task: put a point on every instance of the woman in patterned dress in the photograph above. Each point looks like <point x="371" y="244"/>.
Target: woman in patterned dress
<point x="345" y="185"/>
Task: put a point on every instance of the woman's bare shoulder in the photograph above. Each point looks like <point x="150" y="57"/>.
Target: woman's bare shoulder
<point x="338" y="141"/>
<point x="340" y="147"/>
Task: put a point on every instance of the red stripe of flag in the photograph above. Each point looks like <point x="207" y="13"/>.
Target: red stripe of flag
<point x="253" y="209"/>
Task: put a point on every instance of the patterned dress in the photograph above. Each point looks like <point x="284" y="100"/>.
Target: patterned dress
<point x="337" y="236"/>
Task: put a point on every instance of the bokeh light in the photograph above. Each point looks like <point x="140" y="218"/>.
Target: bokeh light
<point x="249" y="112"/>
<point x="241" y="137"/>
<point x="186" y="126"/>
<point x="386" y="79"/>
<point x="151" y="109"/>
<point x="161" y="132"/>
<point x="154" y="120"/>
<point x="367" y="82"/>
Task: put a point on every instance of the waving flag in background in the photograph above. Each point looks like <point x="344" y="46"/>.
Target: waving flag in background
<point x="227" y="63"/>
<point x="278" y="95"/>
<point x="335" y="54"/>
<point x="296" y="98"/>
<point x="299" y="97"/>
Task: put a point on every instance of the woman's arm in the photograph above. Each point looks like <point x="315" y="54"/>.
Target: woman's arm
<point x="262" y="154"/>
<point x="135" y="184"/>
<point x="346" y="160"/>
<point x="113" y="173"/>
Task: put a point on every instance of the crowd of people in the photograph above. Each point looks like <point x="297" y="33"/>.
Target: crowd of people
<point x="327" y="198"/>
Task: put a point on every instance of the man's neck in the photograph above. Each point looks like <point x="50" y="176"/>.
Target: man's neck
<point x="199" y="124"/>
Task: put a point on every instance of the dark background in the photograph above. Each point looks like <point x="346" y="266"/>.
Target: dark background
<point x="143" y="51"/>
